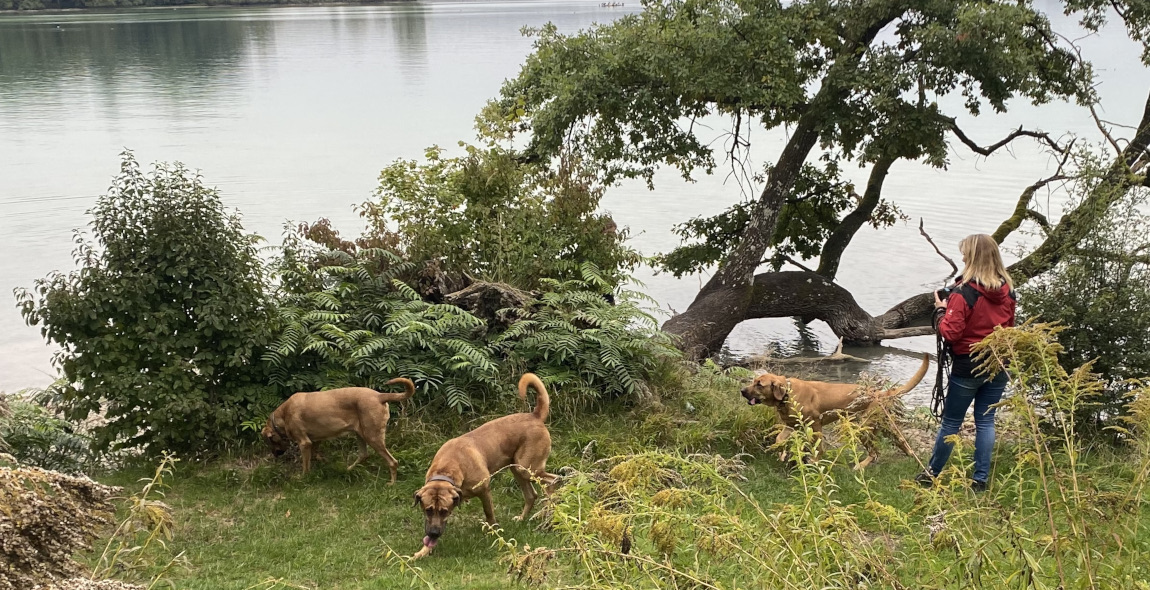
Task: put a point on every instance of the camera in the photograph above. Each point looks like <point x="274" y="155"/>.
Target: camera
<point x="944" y="292"/>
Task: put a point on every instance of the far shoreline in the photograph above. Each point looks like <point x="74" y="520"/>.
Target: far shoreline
<point x="241" y="4"/>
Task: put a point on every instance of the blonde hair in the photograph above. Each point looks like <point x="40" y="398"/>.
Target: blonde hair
<point x="983" y="262"/>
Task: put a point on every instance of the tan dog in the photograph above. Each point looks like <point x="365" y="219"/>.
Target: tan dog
<point x="310" y="417"/>
<point x="819" y="403"/>
<point x="463" y="467"/>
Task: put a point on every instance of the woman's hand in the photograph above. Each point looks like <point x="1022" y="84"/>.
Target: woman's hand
<point x="938" y="302"/>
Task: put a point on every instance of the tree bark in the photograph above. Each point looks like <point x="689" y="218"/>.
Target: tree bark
<point x="841" y="237"/>
<point x="722" y="303"/>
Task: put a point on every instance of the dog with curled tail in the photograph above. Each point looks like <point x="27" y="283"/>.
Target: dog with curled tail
<point x="463" y="466"/>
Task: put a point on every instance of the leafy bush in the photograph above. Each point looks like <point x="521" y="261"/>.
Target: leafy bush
<point x="805" y="222"/>
<point x="492" y="217"/>
<point x="1055" y="516"/>
<point x="36" y="436"/>
<point x="1101" y="293"/>
<point x="363" y="326"/>
<point x="161" y="323"/>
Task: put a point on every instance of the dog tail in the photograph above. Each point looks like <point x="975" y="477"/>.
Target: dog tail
<point x="917" y="377"/>
<point x="542" y="402"/>
<point x="408" y="391"/>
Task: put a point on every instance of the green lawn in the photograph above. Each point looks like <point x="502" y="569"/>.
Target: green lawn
<point x="250" y="521"/>
<point x="244" y="522"/>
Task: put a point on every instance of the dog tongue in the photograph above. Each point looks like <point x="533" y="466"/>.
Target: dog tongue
<point x="752" y="401"/>
<point x="429" y="542"/>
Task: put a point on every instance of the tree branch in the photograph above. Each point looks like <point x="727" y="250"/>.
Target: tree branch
<point x="944" y="256"/>
<point x="906" y="332"/>
<point x="1040" y="219"/>
<point x="796" y="263"/>
<point x="1042" y="136"/>
<point x="1022" y="210"/>
<point x="841" y="236"/>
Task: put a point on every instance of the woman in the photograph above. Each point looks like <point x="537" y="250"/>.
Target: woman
<point x="982" y="300"/>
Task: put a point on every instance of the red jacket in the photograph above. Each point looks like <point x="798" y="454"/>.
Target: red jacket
<point x="963" y="326"/>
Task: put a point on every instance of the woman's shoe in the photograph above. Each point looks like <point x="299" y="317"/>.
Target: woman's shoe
<point x="977" y="486"/>
<point x="924" y="479"/>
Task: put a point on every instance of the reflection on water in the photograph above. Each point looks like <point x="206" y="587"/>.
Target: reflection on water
<point x="292" y="112"/>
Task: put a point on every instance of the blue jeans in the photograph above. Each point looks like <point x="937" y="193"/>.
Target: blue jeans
<point x="961" y="392"/>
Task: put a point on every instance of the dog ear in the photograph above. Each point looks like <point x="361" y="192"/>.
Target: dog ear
<point x="418" y="500"/>
<point x="778" y="391"/>
<point x="457" y="499"/>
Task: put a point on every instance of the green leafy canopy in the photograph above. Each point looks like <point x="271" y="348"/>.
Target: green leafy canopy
<point x="159" y="326"/>
<point x="626" y="94"/>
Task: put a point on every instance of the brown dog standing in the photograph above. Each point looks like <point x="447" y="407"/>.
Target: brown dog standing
<point x="310" y="417"/>
<point x="820" y="403"/>
<point x="463" y="466"/>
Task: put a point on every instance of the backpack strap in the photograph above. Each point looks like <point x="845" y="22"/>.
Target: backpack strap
<point x="970" y="294"/>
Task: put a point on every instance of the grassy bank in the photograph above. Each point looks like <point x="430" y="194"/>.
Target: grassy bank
<point x="253" y="522"/>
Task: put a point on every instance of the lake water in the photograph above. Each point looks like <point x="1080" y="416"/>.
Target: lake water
<point x="292" y="112"/>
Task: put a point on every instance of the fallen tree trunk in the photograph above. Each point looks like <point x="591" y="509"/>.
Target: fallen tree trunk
<point x="811" y="296"/>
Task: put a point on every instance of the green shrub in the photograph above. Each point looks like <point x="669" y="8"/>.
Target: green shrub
<point x="590" y="347"/>
<point x="490" y="216"/>
<point x="36" y="436"/>
<point x="1101" y="293"/>
<point x="161" y="323"/>
<point x="362" y="325"/>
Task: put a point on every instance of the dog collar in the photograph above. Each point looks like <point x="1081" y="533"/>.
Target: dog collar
<point x="442" y="478"/>
<point x="276" y="427"/>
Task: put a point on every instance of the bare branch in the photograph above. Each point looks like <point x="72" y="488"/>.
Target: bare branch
<point x="907" y="332"/>
<point x="944" y="256"/>
<point x="1103" y="130"/>
<point x="794" y="262"/>
<point x="1041" y="136"/>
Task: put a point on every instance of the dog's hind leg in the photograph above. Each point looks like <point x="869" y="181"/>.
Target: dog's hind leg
<point x="361" y="456"/>
<point x="523" y="478"/>
<point x="381" y="448"/>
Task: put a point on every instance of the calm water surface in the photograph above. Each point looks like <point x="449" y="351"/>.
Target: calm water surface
<point x="292" y="112"/>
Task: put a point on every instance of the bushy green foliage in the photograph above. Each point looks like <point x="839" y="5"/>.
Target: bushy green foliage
<point x="362" y="325"/>
<point x="1101" y="293"/>
<point x="619" y="92"/>
<point x="806" y="220"/>
<point x="36" y="436"/>
<point x="161" y="324"/>
<point x="1055" y="516"/>
<point x="590" y="347"/>
<point x="491" y="216"/>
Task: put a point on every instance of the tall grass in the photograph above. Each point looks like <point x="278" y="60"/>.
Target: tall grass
<point x="1060" y="514"/>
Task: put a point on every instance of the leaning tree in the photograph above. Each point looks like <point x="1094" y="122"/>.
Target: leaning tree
<point x="860" y="80"/>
